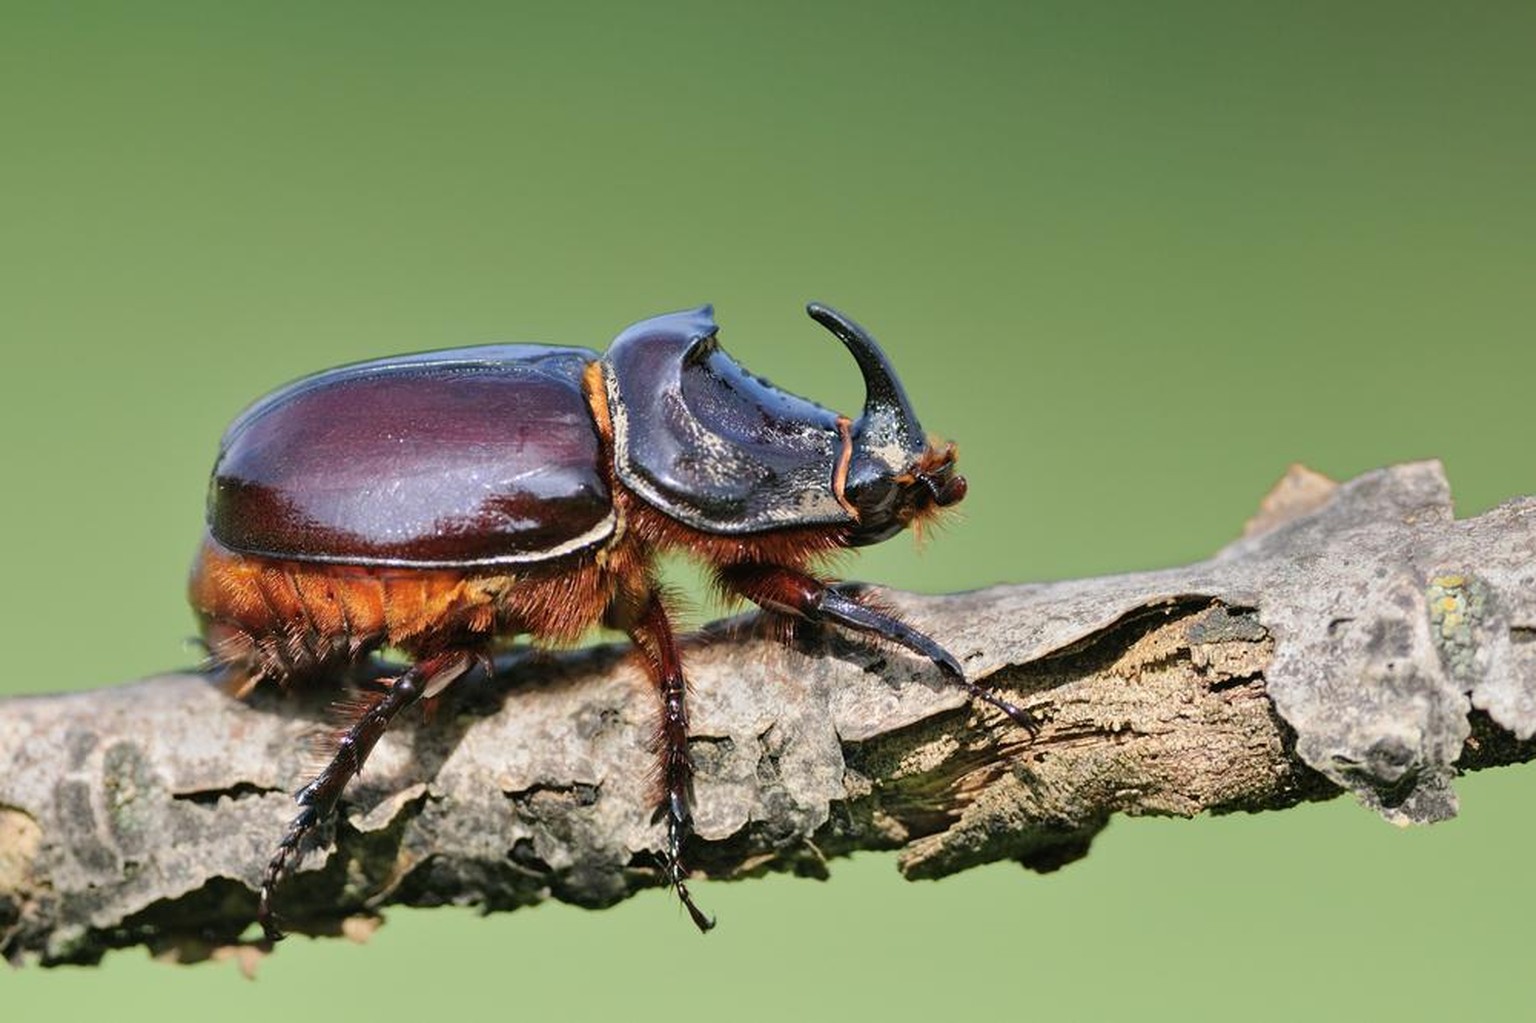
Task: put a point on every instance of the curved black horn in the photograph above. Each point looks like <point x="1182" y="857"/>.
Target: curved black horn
<point x="888" y="415"/>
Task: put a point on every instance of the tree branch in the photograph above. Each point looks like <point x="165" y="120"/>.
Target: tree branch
<point x="1357" y="637"/>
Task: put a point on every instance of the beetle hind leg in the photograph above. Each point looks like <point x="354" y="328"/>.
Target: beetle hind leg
<point x="370" y="719"/>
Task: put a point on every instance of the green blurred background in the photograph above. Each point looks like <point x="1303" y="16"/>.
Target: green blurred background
<point x="1136" y="258"/>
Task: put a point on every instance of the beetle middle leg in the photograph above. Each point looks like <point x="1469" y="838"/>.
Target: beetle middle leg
<point x="646" y="622"/>
<point x="788" y="591"/>
<point x="426" y="677"/>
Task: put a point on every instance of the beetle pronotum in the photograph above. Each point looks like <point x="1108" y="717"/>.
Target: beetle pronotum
<point x="443" y="502"/>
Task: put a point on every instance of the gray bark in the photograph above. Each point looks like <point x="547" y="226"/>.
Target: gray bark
<point x="1357" y="638"/>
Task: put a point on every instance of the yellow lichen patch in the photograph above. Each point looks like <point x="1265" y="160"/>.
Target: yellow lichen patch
<point x="20" y="839"/>
<point x="1458" y="612"/>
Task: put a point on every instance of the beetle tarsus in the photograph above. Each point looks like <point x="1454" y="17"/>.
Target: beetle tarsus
<point x="778" y="588"/>
<point x="677" y="830"/>
<point x="289" y="852"/>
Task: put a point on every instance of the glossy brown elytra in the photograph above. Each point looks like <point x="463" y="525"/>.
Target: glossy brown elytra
<point x="447" y="502"/>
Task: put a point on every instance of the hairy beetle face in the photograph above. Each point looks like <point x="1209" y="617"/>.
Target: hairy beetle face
<point x="889" y="503"/>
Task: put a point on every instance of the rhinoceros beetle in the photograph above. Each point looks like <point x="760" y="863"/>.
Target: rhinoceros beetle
<point x="442" y="502"/>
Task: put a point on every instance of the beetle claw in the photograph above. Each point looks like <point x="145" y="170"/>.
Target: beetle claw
<point x="677" y="877"/>
<point x="1021" y="717"/>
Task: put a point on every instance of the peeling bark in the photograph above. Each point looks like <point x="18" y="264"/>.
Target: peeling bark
<point x="1358" y="637"/>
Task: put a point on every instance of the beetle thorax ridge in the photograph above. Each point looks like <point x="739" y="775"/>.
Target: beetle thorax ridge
<point x="711" y="445"/>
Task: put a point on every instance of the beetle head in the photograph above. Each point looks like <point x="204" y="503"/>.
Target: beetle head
<point x="895" y="476"/>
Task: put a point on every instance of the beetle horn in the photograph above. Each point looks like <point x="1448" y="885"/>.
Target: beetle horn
<point x="888" y="418"/>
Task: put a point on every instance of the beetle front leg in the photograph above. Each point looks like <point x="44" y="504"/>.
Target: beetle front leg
<point x="788" y="591"/>
<point x="652" y="634"/>
<point x="319" y="797"/>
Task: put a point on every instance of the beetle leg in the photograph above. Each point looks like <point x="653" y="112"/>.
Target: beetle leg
<point x="319" y="797"/>
<point x="652" y="635"/>
<point x="785" y="590"/>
